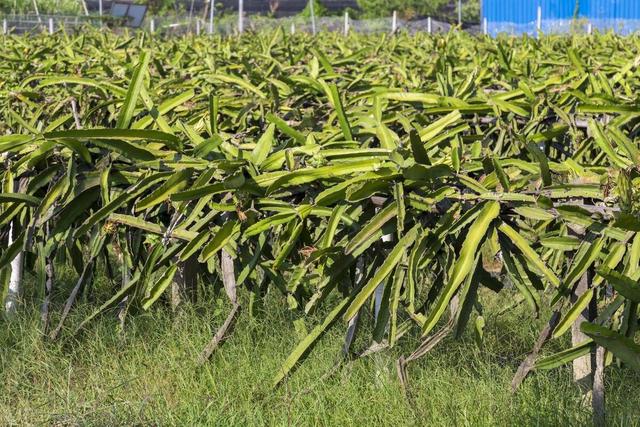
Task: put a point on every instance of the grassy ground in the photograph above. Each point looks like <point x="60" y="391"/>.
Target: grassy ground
<point x="148" y="375"/>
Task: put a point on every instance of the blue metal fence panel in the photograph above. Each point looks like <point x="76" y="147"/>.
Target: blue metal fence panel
<point x="524" y="11"/>
<point x="558" y="9"/>
<point x="518" y="17"/>
<point x="610" y="9"/>
<point x="516" y="12"/>
<point x="622" y="16"/>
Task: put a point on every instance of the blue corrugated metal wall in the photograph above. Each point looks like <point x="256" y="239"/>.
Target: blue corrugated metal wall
<point x="518" y="12"/>
<point x="610" y="9"/>
<point x="525" y="11"/>
<point x="558" y="9"/>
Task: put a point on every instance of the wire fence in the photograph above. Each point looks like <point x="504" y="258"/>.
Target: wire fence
<point x="225" y="26"/>
<point x="32" y="23"/>
<point x="231" y="24"/>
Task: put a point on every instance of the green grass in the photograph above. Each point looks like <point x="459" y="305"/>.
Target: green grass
<point x="148" y="375"/>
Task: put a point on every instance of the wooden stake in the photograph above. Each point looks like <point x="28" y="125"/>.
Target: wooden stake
<point x="220" y="336"/>
<point x="528" y="363"/>
<point x="582" y="369"/>
<point x="598" y="401"/>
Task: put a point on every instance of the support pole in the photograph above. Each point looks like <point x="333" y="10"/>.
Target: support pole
<point x="598" y="400"/>
<point x="313" y="17"/>
<point x="460" y="13"/>
<point x="99" y="12"/>
<point x="5" y="27"/>
<point x="582" y="366"/>
<point x="35" y="7"/>
<point x="212" y="8"/>
<point x="394" y="22"/>
<point x="240" y="16"/>
<point x="429" y="25"/>
<point x="198" y="27"/>
<point x="84" y="7"/>
<point x="539" y="22"/>
<point x="346" y="23"/>
<point x="191" y="14"/>
<point x="15" y="280"/>
<point x="589" y="28"/>
<point x="293" y="28"/>
<point x="50" y="25"/>
<point x="485" y="26"/>
<point x="152" y="26"/>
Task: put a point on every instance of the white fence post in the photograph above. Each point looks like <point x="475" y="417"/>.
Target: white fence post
<point x="50" y="25"/>
<point x="197" y="27"/>
<point x="5" y="27"/>
<point x="429" y="27"/>
<point x="212" y="8"/>
<point x="485" y="26"/>
<point x="346" y="23"/>
<point x="589" y="28"/>
<point x="240" y="16"/>
<point x="539" y="21"/>
<point x="99" y="12"/>
<point x="313" y="17"/>
<point x="394" y="22"/>
<point x="293" y="28"/>
<point x="152" y="25"/>
<point x="460" y="13"/>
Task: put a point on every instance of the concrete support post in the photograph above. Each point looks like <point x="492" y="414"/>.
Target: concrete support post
<point x="240" y="16"/>
<point x="313" y="17"/>
<point x="394" y="22"/>
<point x="346" y="23"/>
<point x="539" y="22"/>
<point x="212" y="8"/>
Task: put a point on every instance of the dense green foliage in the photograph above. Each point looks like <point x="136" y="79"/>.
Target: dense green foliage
<point x="318" y="9"/>
<point x="63" y="7"/>
<point x="409" y="9"/>
<point x="409" y="170"/>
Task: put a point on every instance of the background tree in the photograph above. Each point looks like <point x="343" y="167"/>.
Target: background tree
<point x="273" y="6"/>
<point x="409" y="9"/>
<point x="318" y="9"/>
